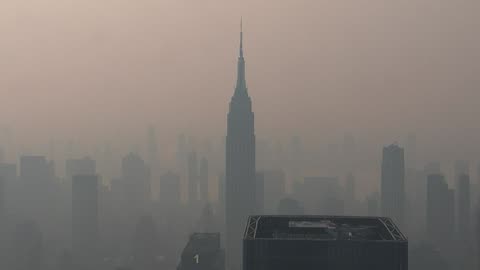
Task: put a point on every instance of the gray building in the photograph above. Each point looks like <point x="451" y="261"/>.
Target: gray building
<point x="203" y="252"/>
<point x="169" y="195"/>
<point x="240" y="166"/>
<point x="393" y="184"/>
<point x="85" y="221"/>
<point x="323" y="242"/>
<point x="440" y="211"/>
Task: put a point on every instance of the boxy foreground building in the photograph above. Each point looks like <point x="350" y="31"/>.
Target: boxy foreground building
<point x="323" y="242"/>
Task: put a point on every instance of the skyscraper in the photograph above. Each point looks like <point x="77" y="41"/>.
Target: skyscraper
<point x="192" y="179"/>
<point x="136" y="185"/>
<point x="393" y="183"/>
<point x="203" y="180"/>
<point x="240" y="166"/>
<point x="84" y="220"/>
<point x="169" y="195"/>
<point x="440" y="211"/>
<point x="463" y="207"/>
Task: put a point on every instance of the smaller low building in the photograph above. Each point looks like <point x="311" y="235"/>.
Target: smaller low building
<point x="203" y="252"/>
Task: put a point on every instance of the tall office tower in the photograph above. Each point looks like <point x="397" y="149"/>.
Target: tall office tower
<point x="38" y="189"/>
<point x="136" y="185"/>
<point x="8" y="190"/>
<point x="393" y="184"/>
<point x="146" y="245"/>
<point x="274" y="190"/>
<point x="85" y="221"/>
<point x="169" y="195"/>
<point x="463" y="207"/>
<point x="192" y="179"/>
<point x="440" y="211"/>
<point x="203" y="252"/>
<point x="27" y="248"/>
<point x="221" y="190"/>
<point x="240" y="166"/>
<point x="203" y="180"/>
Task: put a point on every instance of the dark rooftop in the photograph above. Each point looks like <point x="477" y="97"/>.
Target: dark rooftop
<point x="327" y="228"/>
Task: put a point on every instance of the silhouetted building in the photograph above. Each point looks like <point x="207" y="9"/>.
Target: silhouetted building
<point x="85" y="221"/>
<point x="350" y="201"/>
<point x="259" y="193"/>
<point x="322" y="195"/>
<point x="203" y="252"/>
<point x="240" y="166"/>
<point x="274" y="189"/>
<point x="8" y="176"/>
<point x="393" y="184"/>
<point x="169" y="195"/>
<point x="27" y="248"/>
<point x="289" y="206"/>
<point x="463" y="207"/>
<point x="440" y="211"/>
<point x="373" y="205"/>
<point x="146" y="253"/>
<point x="136" y="185"/>
<point x="203" y="180"/>
<point x="193" y="179"/>
<point x="323" y="242"/>
<point x="38" y="189"/>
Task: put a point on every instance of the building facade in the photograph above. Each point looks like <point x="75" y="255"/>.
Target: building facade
<point x="240" y="166"/>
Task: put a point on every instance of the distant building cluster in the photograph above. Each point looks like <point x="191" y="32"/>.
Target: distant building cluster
<point x="242" y="204"/>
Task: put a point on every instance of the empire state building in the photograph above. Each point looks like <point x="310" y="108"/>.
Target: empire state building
<point x="240" y="166"/>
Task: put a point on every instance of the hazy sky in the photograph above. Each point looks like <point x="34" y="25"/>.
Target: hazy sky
<point x="91" y="69"/>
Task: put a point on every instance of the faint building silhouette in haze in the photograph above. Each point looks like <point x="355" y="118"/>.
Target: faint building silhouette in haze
<point x="203" y="252"/>
<point x="240" y="166"/>
<point x="350" y="200"/>
<point x="274" y="190"/>
<point x="322" y="196"/>
<point x="169" y="195"/>
<point x="145" y="250"/>
<point x="136" y="185"/>
<point x="203" y="180"/>
<point x="27" y="248"/>
<point x="440" y="211"/>
<point x="85" y="221"/>
<point x="193" y="179"/>
<point x="83" y="166"/>
<point x="289" y="206"/>
<point x="393" y="184"/>
<point x="38" y="189"/>
<point x="259" y="193"/>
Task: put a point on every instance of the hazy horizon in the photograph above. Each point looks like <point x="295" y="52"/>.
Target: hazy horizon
<point x="95" y="71"/>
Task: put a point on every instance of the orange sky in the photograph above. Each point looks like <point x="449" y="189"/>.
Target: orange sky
<point x="95" y="70"/>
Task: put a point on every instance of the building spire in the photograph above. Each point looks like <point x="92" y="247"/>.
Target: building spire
<point x="241" y="87"/>
<point x="241" y="36"/>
